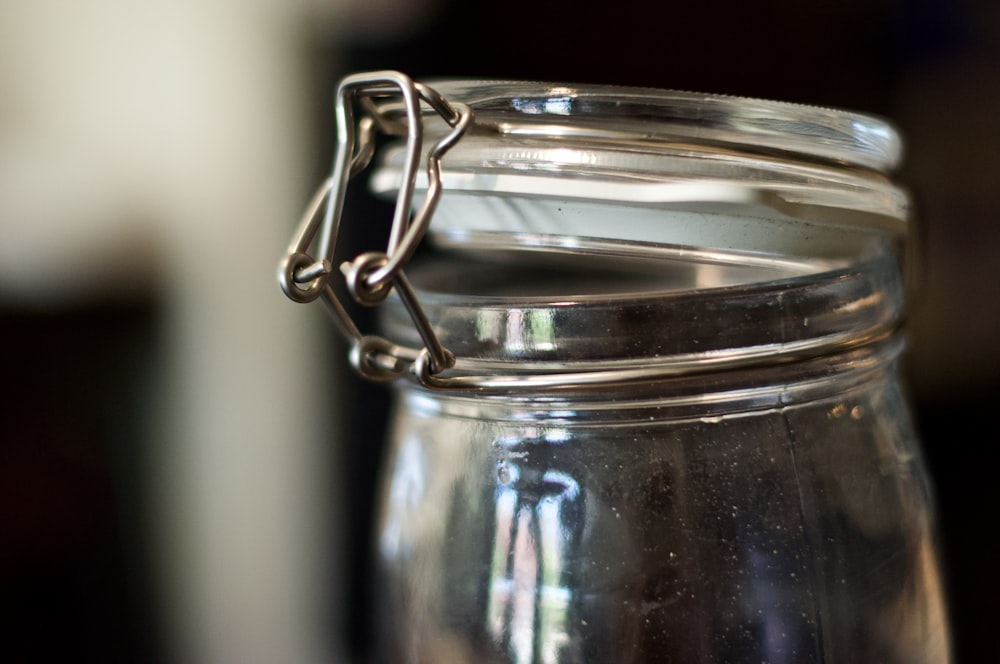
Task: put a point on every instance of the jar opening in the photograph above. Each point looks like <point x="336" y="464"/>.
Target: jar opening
<point x="551" y="167"/>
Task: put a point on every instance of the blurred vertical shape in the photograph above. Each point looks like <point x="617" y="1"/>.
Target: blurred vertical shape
<point x="244" y="478"/>
<point x="164" y="143"/>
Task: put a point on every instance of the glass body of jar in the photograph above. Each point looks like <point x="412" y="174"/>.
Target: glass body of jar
<point x="776" y="511"/>
<point x="648" y="406"/>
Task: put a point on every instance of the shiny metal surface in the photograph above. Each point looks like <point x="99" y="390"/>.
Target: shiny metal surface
<point x="372" y="275"/>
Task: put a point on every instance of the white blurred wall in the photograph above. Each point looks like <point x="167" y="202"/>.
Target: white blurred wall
<point x="162" y="146"/>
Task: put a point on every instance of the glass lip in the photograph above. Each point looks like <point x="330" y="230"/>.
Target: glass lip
<point x="680" y="324"/>
<point x="651" y="115"/>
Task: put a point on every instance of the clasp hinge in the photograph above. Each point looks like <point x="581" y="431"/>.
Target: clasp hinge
<point x="304" y="277"/>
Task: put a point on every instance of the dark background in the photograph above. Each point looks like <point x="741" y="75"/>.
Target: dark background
<point x="72" y="564"/>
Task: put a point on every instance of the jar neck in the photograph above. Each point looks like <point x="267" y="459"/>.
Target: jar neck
<point x="635" y="321"/>
<point x="707" y="397"/>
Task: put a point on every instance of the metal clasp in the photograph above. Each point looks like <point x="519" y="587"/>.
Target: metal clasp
<point x="371" y="276"/>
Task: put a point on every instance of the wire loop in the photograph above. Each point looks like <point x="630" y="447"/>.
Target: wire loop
<point x="371" y="276"/>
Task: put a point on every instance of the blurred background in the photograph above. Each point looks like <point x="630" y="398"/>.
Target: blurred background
<point x="186" y="469"/>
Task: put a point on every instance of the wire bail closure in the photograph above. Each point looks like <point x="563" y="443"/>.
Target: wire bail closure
<point x="389" y="102"/>
<point x="371" y="276"/>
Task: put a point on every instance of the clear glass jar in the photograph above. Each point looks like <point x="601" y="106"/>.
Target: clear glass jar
<point x="776" y="512"/>
<point x="675" y="430"/>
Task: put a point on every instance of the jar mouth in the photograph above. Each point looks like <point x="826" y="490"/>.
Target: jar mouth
<point x="771" y="233"/>
<point x="565" y="163"/>
<point x="577" y="316"/>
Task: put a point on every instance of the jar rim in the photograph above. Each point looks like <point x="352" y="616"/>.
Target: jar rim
<point x="711" y="172"/>
<point x="650" y="115"/>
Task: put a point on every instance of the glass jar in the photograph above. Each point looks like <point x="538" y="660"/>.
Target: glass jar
<point x="665" y="423"/>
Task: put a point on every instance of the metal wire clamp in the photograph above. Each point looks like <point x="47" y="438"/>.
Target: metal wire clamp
<point x="371" y="276"/>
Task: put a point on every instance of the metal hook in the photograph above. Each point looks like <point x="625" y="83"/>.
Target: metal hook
<point x="372" y="275"/>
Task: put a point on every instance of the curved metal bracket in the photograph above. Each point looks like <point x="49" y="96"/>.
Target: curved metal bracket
<point x="370" y="277"/>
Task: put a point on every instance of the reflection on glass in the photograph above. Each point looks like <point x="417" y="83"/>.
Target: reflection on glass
<point x="556" y="105"/>
<point x="529" y="601"/>
<point x="406" y="489"/>
<point x="790" y="535"/>
<point x="517" y="330"/>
